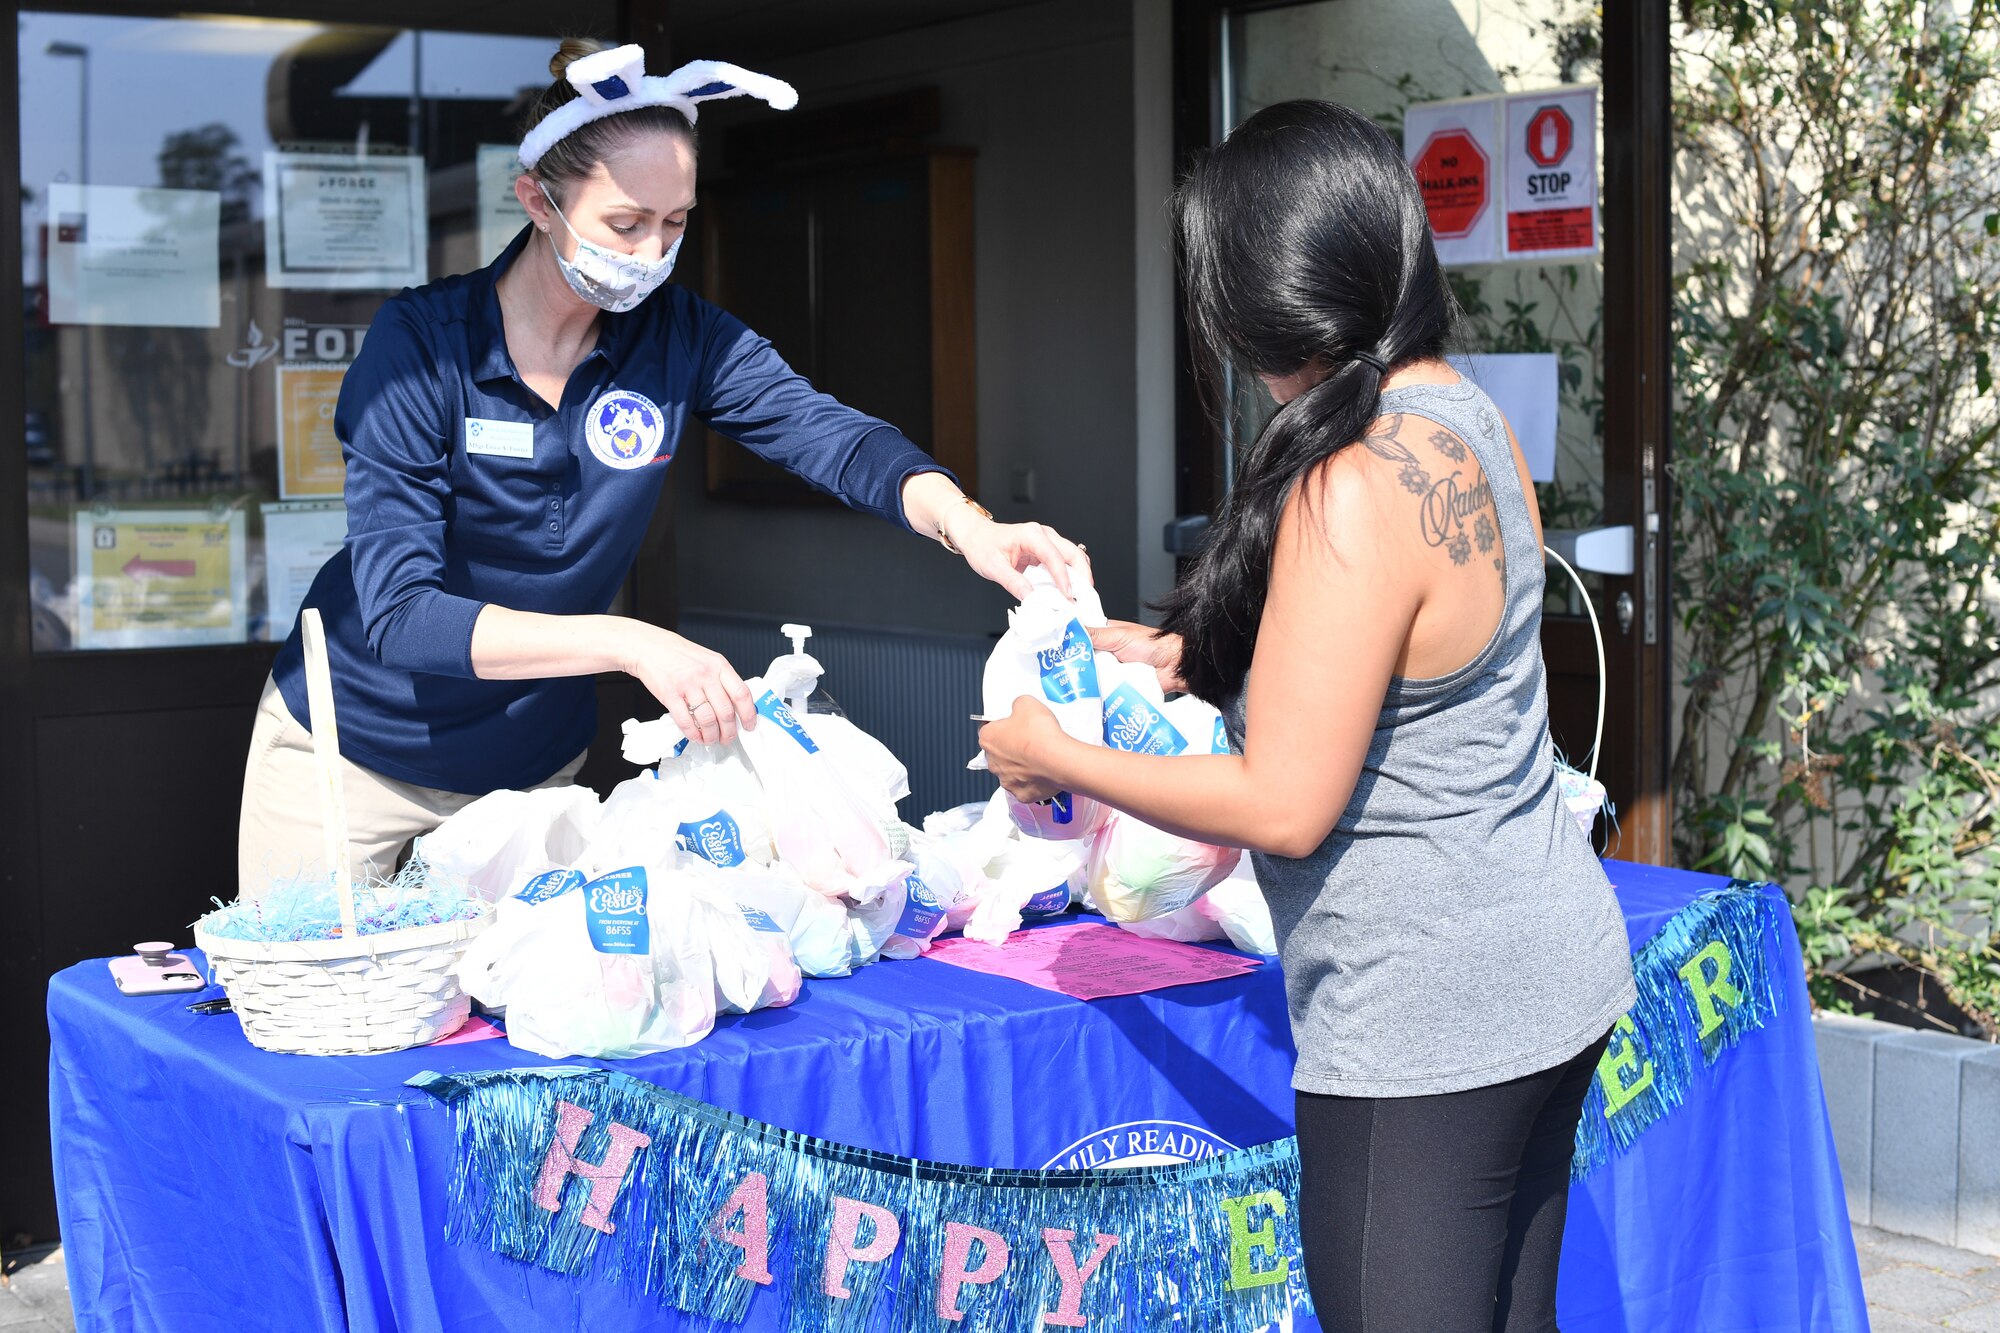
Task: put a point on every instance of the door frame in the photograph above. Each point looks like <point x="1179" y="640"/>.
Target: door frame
<point x="1638" y="363"/>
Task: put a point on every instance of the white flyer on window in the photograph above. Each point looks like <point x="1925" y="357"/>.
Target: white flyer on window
<point x="1526" y="388"/>
<point x="1552" y="174"/>
<point x="119" y="255"/>
<point x="341" y="222"/>
<point x="299" y="537"/>
<point x="1453" y="149"/>
<point x="501" y="216"/>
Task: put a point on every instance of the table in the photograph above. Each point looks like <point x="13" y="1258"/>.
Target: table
<point x="207" y="1184"/>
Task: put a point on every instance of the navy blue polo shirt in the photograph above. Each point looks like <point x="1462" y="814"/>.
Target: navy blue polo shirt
<point x="465" y="488"/>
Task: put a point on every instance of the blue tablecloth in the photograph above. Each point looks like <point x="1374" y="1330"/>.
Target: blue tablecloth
<point x="206" y="1184"/>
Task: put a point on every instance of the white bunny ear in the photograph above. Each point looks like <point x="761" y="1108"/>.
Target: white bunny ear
<point x="710" y="80"/>
<point x="605" y="78"/>
<point x="608" y="82"/>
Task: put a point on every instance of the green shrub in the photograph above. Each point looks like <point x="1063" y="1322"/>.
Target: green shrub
<point x="1836" y="515"/>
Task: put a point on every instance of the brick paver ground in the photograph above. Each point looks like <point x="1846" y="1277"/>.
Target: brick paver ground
<point x="1915" y="1286"/>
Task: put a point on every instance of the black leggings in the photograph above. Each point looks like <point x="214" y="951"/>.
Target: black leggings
<point x="1440" y="1214"/>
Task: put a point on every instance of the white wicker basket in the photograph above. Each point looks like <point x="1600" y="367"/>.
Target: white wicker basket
<point x="347" y="997"/>
<point x="358" y="994"/>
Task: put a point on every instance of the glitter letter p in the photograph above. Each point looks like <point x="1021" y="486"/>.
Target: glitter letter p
<point x="841" y="1247"/>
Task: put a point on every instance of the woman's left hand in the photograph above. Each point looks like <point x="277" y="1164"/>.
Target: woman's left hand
<point x="1019" y="748"/>
<point x="1002" y="552"/>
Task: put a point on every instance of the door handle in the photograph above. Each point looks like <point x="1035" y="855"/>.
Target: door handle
<point x="1186" y="535"/>
<point x="1600" y="550"/>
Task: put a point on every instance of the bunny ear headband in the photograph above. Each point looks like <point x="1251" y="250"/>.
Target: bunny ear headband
<point x="608" y="82"/>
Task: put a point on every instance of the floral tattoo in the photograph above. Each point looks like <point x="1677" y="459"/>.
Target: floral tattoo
<point x="1454" y="514"/>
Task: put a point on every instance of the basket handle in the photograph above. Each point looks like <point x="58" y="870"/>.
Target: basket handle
<point x="326" y="756"/>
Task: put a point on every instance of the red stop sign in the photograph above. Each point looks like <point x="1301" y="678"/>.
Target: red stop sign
<point x="1456" y="180"/>
<point x="1549" y="136"/>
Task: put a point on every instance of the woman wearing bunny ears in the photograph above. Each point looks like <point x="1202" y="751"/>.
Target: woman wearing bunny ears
<point x="506" y="434"/>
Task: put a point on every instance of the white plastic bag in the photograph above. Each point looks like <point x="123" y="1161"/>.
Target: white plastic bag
<point x="872" y="770"/>
<point x="1046" y="654"/>
<point x="754" y="968"/>
<point x="958" y="819"/>
<point x="1233" y="910"/>
<point x="722" y="805"/>
<point x="503" y="839"/>
<point x="703" y="798"/>
<point x="901" y="923"/>
<point x="1031" y="877"/>
<point x="649" y="815"/>
<point x="944" y="874"/>
<point x="1237" y="905"/>
<point x="614" y="966"/>
<point x="955" y="851"/>
<point x="1190" y="925"/>
<point x="814" y="926"/>
<point x="1138" y="872"/>
<point x="820" y="827"/>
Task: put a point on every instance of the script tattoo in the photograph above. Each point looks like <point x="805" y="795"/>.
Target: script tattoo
<point x="1453" y="515"/>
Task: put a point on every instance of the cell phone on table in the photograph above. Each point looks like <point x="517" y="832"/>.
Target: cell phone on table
<point x="156" y="970"/>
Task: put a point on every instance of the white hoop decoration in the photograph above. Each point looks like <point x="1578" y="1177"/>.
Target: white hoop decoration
<point x="608" y="82"/>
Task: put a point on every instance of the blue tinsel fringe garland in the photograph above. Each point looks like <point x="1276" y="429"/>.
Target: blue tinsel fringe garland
<point x="1172" y="1266"/>
<point x="1665" y="1032"/>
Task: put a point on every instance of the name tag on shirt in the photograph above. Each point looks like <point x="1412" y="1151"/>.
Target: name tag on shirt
<point x="502" y="439"/>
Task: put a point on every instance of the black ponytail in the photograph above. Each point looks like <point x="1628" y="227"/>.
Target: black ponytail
<point x="1304" y="242"/>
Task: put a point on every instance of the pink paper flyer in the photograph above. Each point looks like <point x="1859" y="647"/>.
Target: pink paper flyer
<point x="1090" y="961"/>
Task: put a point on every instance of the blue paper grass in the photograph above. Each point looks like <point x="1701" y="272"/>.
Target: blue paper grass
<point x="305" y="909"/>
<point x="1171" y="1269"/>
<point x="1667" y="1048"/>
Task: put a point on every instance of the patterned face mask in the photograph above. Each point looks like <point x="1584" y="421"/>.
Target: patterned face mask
<point x="605" y="278"/>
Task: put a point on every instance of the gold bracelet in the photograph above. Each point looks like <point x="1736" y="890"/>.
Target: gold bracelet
<point x="945" y="537"/>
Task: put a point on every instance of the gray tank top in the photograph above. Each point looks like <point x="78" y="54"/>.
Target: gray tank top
<point x="1455" y="930"/>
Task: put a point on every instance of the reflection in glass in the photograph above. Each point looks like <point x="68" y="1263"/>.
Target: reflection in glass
<point x="182" y="473"/>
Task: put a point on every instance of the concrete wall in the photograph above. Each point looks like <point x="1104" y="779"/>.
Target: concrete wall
<point x="1045" y="94"/>
<point x="1916" y="1123"/>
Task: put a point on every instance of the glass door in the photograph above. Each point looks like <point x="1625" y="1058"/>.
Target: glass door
<point x="1504" y="114"/>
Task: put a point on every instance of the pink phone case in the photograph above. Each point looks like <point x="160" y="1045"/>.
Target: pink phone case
<point x="136" y="976"/>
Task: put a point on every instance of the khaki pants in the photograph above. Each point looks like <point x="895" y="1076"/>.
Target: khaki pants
<point x="279" y="837"/>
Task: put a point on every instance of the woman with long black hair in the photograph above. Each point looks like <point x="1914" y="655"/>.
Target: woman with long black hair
<point x="1367" y="614"/>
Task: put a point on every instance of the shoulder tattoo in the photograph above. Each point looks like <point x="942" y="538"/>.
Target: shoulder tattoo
<point x="1456" y="511"/>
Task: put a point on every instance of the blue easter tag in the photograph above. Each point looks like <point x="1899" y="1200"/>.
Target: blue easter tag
<point x="771" y="706"/>
<point x="1049" y="902"/>
<point x="614" y="911"/>
<point x="1069" y="670"/>
<point x="551" y="884"/>
<point x="921" y="914"/>
<point x="1134" y="724"/>
<point x="717" y="840"/>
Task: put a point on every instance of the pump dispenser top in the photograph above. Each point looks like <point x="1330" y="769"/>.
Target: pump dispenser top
<point x="796" y="674"/>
